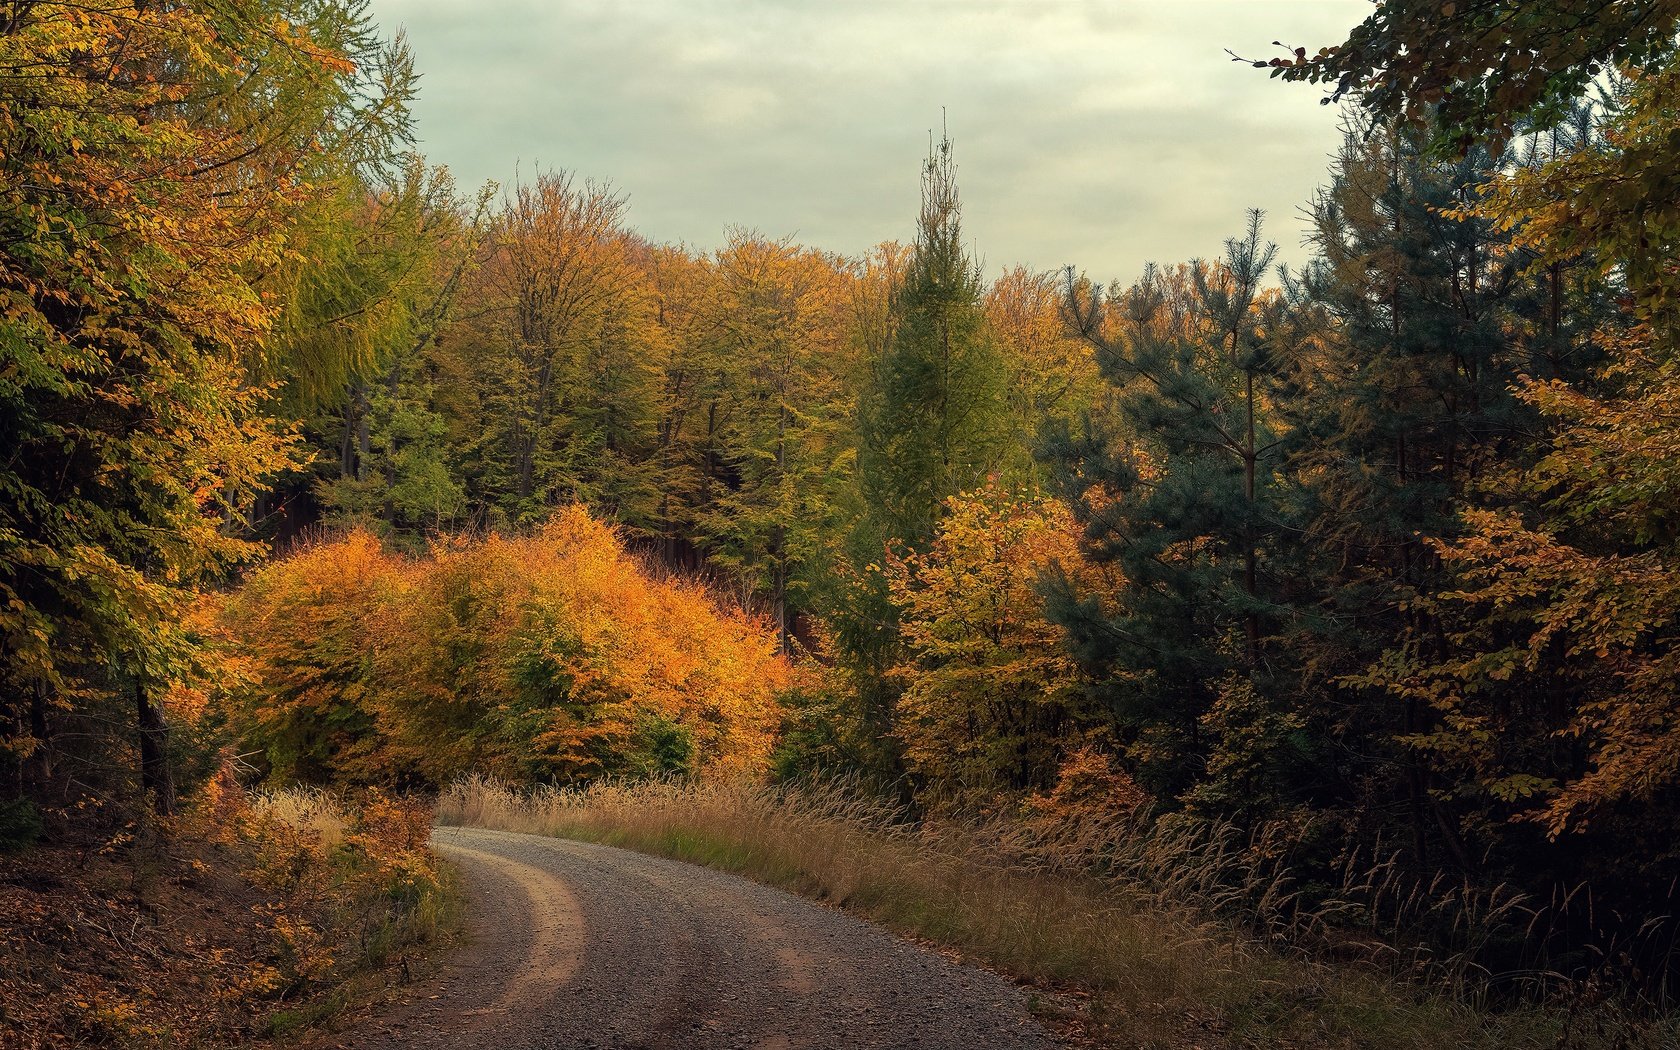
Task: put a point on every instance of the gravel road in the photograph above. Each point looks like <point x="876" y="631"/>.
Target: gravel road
<point x="573" y="946"/>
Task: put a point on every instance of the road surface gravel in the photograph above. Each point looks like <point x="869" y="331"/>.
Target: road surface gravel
<point x="575" y="946"/>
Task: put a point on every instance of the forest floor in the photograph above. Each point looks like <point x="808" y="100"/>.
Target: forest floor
<point x="109" y="945"/>
<point x="140" y="937"/>
<point x="586" y="947"/>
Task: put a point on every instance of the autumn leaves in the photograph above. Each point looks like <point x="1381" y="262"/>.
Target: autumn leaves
<point x="549" y="656"/>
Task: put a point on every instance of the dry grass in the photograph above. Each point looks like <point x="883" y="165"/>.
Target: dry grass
<point x="363" y="894"/>
<point x="1146" y="936"/>
<point x="316" y="812"/>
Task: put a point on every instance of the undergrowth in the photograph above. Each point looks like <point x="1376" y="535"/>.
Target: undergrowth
<point x="1178" y="937"/>
<point x="358" y="894"/>
<point x="247" y="917"/>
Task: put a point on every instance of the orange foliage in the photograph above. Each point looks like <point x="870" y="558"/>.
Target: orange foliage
<point x="1090" y="790"/>
<point x="551" y="656"/>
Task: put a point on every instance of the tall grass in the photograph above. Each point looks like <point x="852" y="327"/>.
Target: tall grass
<point x="320" y="814"/>
<point x="1180" y="935"/>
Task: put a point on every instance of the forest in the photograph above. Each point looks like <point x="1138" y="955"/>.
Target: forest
<point x="319" y="469"/>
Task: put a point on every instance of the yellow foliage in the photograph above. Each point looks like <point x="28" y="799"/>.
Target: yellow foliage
<point x="992" y="698"/>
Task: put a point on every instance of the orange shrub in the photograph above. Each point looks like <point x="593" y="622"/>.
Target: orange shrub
<point x="553" y="656"/>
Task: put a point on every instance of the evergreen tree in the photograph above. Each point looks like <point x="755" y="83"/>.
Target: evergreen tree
<point x="1396" y="414"/>
<point x="932" y="420"/>
<point x="1176" y="486"/>
<point x="153" y="159"/>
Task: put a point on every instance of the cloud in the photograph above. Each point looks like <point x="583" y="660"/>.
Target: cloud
<point x="1099" y="133"/>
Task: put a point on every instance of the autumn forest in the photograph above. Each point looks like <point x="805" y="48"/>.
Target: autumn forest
<point x="320" y="470"/>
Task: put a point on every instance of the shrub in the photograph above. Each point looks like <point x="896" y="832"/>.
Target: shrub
<point x="20" y="825"/>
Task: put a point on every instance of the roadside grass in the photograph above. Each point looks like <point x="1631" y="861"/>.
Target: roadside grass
<point x="363" y="896"/>
<point x="391" y="940"/>
<point x="1138" y="938"/>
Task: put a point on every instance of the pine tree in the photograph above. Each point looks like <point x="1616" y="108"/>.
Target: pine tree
<point x="1176" y="488"/>
<point x="1396" y="414"/>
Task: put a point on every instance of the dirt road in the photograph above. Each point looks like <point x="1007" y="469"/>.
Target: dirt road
<point x="572" y="945"/>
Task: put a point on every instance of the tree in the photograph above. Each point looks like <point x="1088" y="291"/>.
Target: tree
<point x="556" y="344"/>
<point x="377" y="286"/>
<point x="1052" y="373"/>
<point x="1397" y="410"/>
<point x="932" y="419"/>
<point x="1476" y="71"/>
<point x="776" y="314"/>
<point x="1554" y="697"/>
<point x="992" y="701"/>
<point x="152" y="159"/>
<point x="550" y="656"/>
<point x="1176" y="490"/>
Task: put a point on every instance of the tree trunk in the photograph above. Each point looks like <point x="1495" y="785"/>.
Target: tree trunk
<point x="11" y="729"/>
<point x="347" y="440"/>
<point x="155" y="777"/>
<point x="1251" y="557"/>
<point x="1554" y="320"/>
<point x="364" y="438"/>
<point x="778" y="536"/>
<point x="38" y="770"/>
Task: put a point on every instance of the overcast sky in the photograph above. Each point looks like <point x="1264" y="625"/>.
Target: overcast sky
<point x="1101" y="133"/>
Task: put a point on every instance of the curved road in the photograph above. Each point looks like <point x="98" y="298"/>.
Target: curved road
<point x="573" y="946"/>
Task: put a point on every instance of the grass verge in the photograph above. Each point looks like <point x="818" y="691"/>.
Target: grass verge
<point x="1156" y="972"/>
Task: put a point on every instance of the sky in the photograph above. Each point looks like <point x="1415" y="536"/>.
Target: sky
<point x="1095" y="133"/>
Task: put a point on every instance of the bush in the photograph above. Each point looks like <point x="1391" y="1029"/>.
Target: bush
<point x="551" y="657"/>
<point x="20" y="825"/>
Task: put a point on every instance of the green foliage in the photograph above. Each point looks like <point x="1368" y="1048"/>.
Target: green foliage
<point x="136" y="211"/>
<point x="932" y="420"/>
<point x="1175" y="486"/>
<point x="775" y="315"/>
<point x="20" y="825"/>
<point x="558" y="356"/>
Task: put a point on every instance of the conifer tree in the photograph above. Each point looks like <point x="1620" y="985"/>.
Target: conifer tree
<point x="932" y="422"/>
<point x="933" y="418"/>
<point x="154" y="159"/>
<point x="1396" y="413"/>
<point x="1176" y="489"/>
